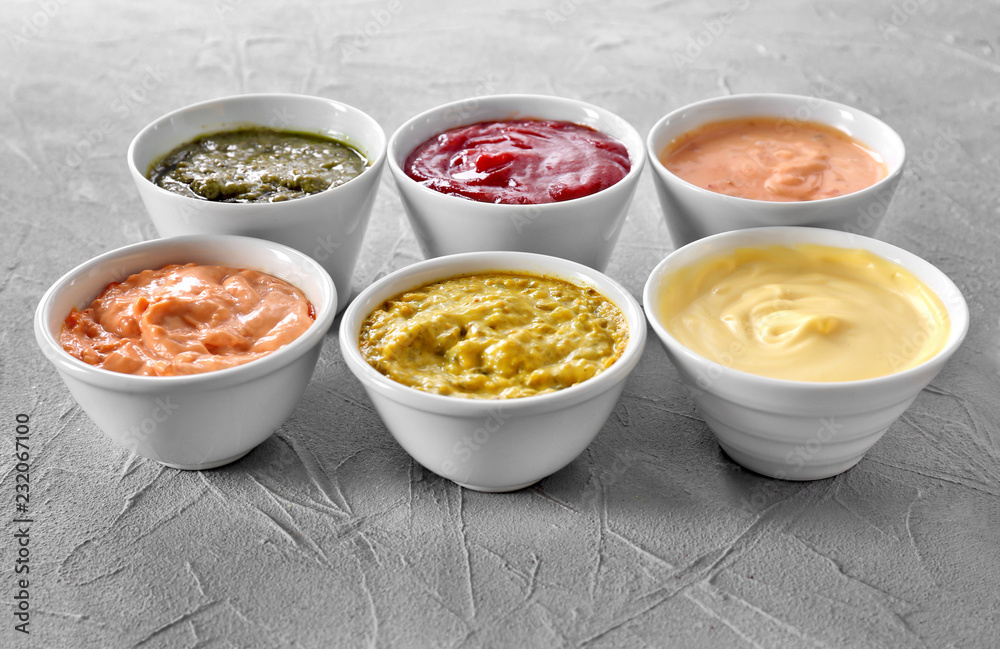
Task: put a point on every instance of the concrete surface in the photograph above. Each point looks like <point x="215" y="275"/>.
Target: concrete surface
<point x="327" y="534"/>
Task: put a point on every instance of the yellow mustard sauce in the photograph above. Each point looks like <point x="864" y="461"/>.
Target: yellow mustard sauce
<point x="804" y="313"/>
<point x="494" y="336"/>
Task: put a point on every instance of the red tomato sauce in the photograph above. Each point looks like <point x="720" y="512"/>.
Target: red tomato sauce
<point x="522" y="161"/>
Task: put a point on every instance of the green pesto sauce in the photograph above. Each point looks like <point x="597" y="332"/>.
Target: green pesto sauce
<point x="256" y="165"/>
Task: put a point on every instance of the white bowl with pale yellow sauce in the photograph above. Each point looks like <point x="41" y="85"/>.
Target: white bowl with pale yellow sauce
<point x="801" y="346"/>
<point x="190" y="421"/>
<point x="693" y="211"/>
<point x="493" y="444"/>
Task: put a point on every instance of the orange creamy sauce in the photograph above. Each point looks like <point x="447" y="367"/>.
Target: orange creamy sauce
<point x="187" y="320"/>
<point x="773" y="159"/>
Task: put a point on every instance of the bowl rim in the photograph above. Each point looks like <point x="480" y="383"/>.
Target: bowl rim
<point x="447" y="266"/>
<point x="637" y="154"/>
<point x="956" y="307"/>
<point x="273" y="361"/>
<point x="892" y="174"/>
<point x="374" y="165"/>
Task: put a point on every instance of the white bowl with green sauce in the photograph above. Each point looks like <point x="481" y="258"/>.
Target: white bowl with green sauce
<point x="257" y="165"/>
<point x="321" y="214"/>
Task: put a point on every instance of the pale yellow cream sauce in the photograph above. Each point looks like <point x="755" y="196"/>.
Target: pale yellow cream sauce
<point x="771" y="159"/>
<point x="804" y="313"/>
<point x="494" y="336"/>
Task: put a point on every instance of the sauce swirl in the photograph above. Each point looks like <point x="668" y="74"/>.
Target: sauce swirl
<point x="804" y="313"/>
<point x="187" y="320"/>
<point x="772" y="159"/>
<point x="522" y="161"/>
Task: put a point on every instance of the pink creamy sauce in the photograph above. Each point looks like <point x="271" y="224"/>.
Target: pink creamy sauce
<point x="771" y="159"/>
<point x="187" y="320"/>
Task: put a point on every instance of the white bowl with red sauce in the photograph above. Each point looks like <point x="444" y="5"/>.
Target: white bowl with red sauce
<point x="797" y="429"/>
<point x="195" y="421"/>
<point x="693" y="212"/>
<point x="493" y="444"/>
<point x="329" y="226"/>
<point x="583" y="229"/>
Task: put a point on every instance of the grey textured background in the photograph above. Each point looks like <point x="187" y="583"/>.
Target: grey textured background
<point x="328" y="534"/>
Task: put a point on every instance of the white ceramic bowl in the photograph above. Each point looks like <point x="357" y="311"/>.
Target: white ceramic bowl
<point x="198" y="421"/>
<point x="692" y="212"/>
<point x="493" y="445"/>
<point x="798" y="430"/>
<point x="582" y="229"/>
<point x="328" y="226"/>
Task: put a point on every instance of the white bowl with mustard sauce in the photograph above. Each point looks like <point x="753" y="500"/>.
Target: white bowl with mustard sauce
<point x="583" y="229"/>
<point x="795" y="173"/>
<point x="199" y="420"/>
<point x="801" y="346"/>
<point x="493" y="444"/>
<point x="328" y="225"/>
